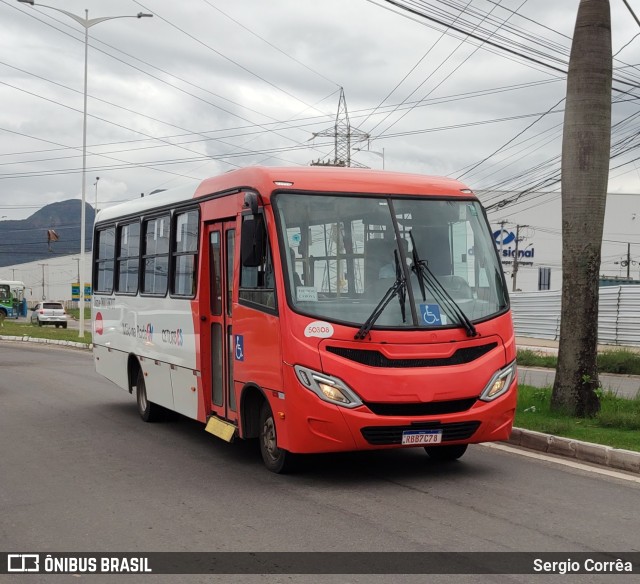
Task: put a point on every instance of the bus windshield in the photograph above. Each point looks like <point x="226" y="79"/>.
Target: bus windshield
<point x="360" y="259"/>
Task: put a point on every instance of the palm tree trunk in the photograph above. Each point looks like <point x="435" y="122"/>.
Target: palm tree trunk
<point x="585" y="173"/>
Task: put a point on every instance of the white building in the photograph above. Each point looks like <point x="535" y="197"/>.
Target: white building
<point x="539" y="216"/>
<point x="50" y="278"/>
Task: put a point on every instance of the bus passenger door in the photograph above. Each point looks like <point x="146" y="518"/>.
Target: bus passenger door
<point x="217" y="317"/>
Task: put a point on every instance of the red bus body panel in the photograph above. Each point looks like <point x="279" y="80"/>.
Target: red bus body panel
<point x="274" y="344"/>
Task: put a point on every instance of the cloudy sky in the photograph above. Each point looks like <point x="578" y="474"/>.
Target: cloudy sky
<point x="206" y="86"/>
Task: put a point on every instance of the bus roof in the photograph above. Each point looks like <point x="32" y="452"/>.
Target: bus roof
<point x="266" y="180"/>
<point x="13" y="284"/>
<point x="332" y="179"/>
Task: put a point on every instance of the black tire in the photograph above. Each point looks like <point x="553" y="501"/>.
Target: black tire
<point x="275" y="459"/>
<point x="148" y="411"/>
<point x="64" y="325"/>
<point x="39" y="322"/>
<point x="57" y="326"/>
<point x="446" y="453"/>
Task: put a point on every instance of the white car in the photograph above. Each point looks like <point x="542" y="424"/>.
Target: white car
<point x="49" y="313"/>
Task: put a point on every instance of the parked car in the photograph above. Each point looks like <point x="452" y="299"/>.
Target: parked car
<point x="49" y="313"/>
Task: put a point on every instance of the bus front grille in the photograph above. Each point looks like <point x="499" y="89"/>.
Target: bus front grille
<point x="381" y="435"/>
<point x="377" y="359"/>
<point x="435" y="408"/>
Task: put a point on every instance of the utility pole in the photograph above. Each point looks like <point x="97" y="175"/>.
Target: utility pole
<point x="44" y="297"/>
<point x="628" y="261"/>
<point x="343" y="134"/>
<point x="502" y="224"/>
<point x="515" y="257"/>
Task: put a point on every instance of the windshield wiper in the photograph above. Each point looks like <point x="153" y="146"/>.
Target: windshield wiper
<point x="399" y="287"/>
<point x="426" y="276"/>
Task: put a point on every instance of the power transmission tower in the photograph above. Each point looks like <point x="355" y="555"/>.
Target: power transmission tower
<point x="344" y="135"/>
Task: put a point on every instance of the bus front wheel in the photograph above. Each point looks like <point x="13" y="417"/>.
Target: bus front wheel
<point x="148" y="411"/>
<point x="446" y="453"/>
<point x="275" y="459"/>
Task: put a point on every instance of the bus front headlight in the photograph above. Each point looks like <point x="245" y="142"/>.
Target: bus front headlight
<point x="499" y="383"/>
<point x="327" y="388"/>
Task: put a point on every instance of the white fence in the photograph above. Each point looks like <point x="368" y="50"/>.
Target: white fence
<point x="537" y="315"/>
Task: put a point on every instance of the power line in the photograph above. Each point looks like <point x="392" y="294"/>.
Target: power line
<point x="255" y="34"/>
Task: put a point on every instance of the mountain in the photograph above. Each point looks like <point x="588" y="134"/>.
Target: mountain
<point x="26" y="240"/>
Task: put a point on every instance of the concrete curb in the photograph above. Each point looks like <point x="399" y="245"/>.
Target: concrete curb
<point x="617" y="458"/>
<point x="28" y="339"/>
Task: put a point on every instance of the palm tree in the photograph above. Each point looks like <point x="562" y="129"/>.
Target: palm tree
<point x="585" y="172"/>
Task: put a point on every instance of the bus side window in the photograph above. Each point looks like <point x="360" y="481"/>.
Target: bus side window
<point x="128" y="258"/>
<point x="257" y="285"/>
<point x="185" y="254"/>
<point x="104" y="263"/>
<point x="155" y="256"/>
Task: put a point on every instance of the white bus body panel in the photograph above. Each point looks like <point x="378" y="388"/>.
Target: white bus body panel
<point x="185" y="391"/>
<point x="159" y="332"/>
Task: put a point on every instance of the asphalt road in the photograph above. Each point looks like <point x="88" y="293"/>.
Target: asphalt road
<point x="80" y="471"/>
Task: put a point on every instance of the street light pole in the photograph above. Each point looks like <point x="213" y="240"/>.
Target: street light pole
<point x="86" y="23"/>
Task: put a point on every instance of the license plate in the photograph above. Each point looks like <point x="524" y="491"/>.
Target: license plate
<point x="418" y="437"/>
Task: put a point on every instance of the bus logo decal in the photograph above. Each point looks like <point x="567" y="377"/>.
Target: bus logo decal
<point x="320" y="329"/>
<point x="99" y="323"/>
<point x="173" y="337"/>
<point x="239" y="347"/>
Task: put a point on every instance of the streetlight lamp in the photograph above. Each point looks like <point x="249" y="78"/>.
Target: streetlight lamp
<point x="85" y="23"/>
<point x="381" y="154"/>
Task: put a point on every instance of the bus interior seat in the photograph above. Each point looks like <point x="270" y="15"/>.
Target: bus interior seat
<point x="379" y="252"/>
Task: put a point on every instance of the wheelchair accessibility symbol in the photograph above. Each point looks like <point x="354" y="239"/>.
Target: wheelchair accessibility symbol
<point x="430" y="314"/>
<point x="239" y="347"/>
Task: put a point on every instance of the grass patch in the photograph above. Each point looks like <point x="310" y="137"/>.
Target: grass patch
<point x="75" y="312"/>
<point x="617" y="424"/>
<point x="528" y="358"/>
<point x="621" y="361"/>
<point x="12" y="328"/>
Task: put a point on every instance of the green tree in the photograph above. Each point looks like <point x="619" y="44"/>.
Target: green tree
<point x="585" y="173"/>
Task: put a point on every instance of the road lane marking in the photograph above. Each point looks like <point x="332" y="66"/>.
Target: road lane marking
<point x="565" y="462"/>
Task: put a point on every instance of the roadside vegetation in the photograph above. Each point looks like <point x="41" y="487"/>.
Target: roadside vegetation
<point x="621" y="361"/>
<point x="12" y="328"/>
<point x="75" y="313"/>
<point x="617" y="424"/>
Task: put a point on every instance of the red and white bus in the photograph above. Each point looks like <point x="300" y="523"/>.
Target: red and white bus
<point x="316" y="309"/>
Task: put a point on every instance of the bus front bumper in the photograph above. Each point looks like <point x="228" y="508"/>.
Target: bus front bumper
<point x="314" y="426"/>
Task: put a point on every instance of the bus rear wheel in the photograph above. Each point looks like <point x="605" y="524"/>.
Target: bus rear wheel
<point x="275" y="459"/>
<point x="446" y="453"/>
<point x="148" y="411"/>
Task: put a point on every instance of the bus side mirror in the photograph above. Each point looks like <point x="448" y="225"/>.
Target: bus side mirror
<point x="252" y="241"/>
